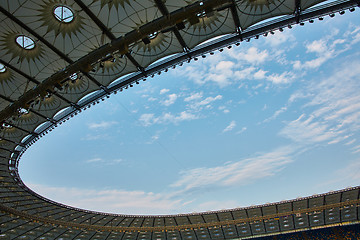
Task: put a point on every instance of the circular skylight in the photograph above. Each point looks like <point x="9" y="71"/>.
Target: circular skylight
<point x="153" y="35"/>
<point x="2" y="68"/>
<point x="73" y="77"/>
<point x="63" y="14"/>
<point x="25" y="42"/>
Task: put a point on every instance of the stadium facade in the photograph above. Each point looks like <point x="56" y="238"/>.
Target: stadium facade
<point x="60" y="57"/>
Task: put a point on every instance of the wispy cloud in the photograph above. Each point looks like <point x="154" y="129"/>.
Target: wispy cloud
<point x="280" y="38"/>
<point x="205" y="102"/>
<point x="103" y="161"/>
<point x="102" y="125"/>
<point x="252" y="55"/>
<point x="283" y="78"/>
<point x="94" y="160"/>
<point x="170" y="100"/>
<point x="92" y="137"/>
<point x="335" y="105"/>
<point x="230" y="127"/>
<point x="242" y="130"/>
<point x="113" y="200"/>
<point x="327" y="48"/>
<point x="148" y="119"/>
<point x="237" y="173"/>
<point x="276" y="114"/>
<point x="164" y="90"/>
<point x="194" y="96"/>
<point x="307" y="130"/>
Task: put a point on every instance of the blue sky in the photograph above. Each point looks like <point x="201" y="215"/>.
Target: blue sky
<point x="272" y="119"/>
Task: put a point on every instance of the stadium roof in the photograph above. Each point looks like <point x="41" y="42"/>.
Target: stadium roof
<point x="60" y="57"/>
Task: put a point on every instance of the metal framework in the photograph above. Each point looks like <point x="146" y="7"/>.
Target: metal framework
<point x="106" y="47"/>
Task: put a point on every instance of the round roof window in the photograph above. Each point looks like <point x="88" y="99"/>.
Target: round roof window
<point x="25" y="42"/>
<point x="73" y="77"/>
<point x="2" y="68"/>
<point x="153" y="35"/>
<point x="63" y="14"/>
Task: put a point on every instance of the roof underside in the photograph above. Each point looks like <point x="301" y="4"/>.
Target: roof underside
<point x="60" y="56"/>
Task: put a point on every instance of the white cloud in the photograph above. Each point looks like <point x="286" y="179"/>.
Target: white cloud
<point x="224" y="109"/>
<point x="94" y="160"/>
<point x="91" y="137"/>
<point x="112" y="200"/>
<point x="285" y="77"/>
<point x="224" y="66"/>
<point x="280" y="38"/>
<point x="350" y="142"/>
<point x="261" y="74"/>
<point x="230" y="127"/>
<point x="276" y="114"/>
<point x="206" y="101"/>
<point x="238" y="173"/>
<point x="164" y="90"/>
<point x="171" y="100"/>
<point x="221" y="73"/>
<point x="334" y="103"/>
<point x="242" y="130"/>
<point x="245" y="74"/>
<point x="317" y="46"/>
<point x="153" y="139"/>
<point x="148" y="119"/>
<point x="104" y="162"/>
<point x="252" y="55"/>
<point x="307" y="130"/>
<point x="194" y="96"/>
<point x="103" y="124"/>
<point x="327" y="48"/>
<point x="356" y="149"/>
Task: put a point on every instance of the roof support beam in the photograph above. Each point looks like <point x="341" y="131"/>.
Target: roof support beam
<point x="31" y="110"/>
<point x="31" y="79"/>
<point x="44" y="41"/>
<point x="235" y="16"/>
<point x="120" y="44"/>
<point x="164" y="11"/>
<point x="106" y="31"/>
<point x="97" y="21"/>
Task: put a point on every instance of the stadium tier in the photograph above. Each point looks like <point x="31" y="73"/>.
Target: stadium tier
<point x="60" y="57"/>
